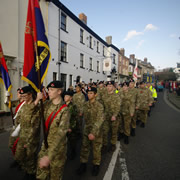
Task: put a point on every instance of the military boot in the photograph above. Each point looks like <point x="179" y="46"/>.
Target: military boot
<point x="95" y="170"/>
<point x="112" y="148"/>
<point x="104" y="149"/>
<point x="142" y="125"/>
<point x="133" y="132"/>
<point x="120" y="136"/>
<point x="126" y="140"/>
<point x="81" y="169"/>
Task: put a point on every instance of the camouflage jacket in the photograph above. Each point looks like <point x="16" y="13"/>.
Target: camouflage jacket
<point x="133" y="92"/>
<point x="94" y="117"/>
<point x="79" y="100"/>
<point x="100" y="93"/>
<point x="127" y="104"/>
<point x="112" y="103"/>
<point x="57" y="132"/>
<point x="30" y="124"/>
<point x="73" y="115"/>
<point x="144" y="98"/>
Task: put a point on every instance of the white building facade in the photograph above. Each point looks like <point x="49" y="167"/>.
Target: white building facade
<point x="77" y="52"/>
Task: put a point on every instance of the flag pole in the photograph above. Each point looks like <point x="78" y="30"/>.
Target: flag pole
<point x="41" y="101"/>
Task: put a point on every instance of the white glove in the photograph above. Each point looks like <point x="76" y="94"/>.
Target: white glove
<point x="15" y="133"/>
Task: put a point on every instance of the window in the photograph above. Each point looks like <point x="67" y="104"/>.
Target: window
<point x="54" y="76"/>
<point x="63" y="51"/>
<point x="82" y="60"/>
<point x="63" y="79"/>
<point x="114" y="59"/>
<point x="97" y="66"/>
<point x="90" y="64"/>
<point x="63" y="21"/>
<point x="81" y="35"/>
<point x="98" y="46"/>
<point x="103" y="51"/>
<point x="90" y="41"/>
<point x="70" y="80"/>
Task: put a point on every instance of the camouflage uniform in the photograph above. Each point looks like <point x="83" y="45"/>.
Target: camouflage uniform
<point x="133" y="93"/>
<point x="94" y="117"/>
<point x="29" y="135"/>
<point x="143" y="101"/>
<point x="79" y="100"/>
<point x="73" y="135"/>
<point x="112" y="104"/>
<point x="127" y="108"/>
<point x="13" y="139"/>
<point x="57" y="143"/>
<point x="100" y="92"/>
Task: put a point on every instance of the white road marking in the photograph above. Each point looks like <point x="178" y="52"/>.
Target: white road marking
<point x="110" y="170"/>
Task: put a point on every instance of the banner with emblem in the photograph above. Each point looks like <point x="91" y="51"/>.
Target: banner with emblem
<point x="107" y="64"/>
<point x="36" y="47"/>
<point x="4" y="71"/>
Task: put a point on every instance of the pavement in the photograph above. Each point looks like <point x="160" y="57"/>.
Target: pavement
<point x="6" y="120"/>
<point x="173" y="98"/>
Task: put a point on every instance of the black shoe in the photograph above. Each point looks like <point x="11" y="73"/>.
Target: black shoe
<point x="104" y="149"/>
<point x="95" y="170"/>
<point x="120" y="136"/>
<point x="133" y="132"/>
<point x="14" y="164"/>
<point x="142" y="125"/>
<point x="112" y="148"/>
<point x="81" y="169"/>
<point x="72" y="155"/>
<point x="138" y="122"/>
<point x="126" y="140"/>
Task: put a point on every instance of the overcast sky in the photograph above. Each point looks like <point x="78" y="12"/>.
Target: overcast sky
<point x="146" y="28"/>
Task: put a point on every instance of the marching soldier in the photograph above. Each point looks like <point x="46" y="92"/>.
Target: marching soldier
<point x="127" y="112"/>
<point x="92" y="134"/>
<point x="79" y="100"/>
<point x="29" y="136"/>
<point x="73" y="129"/>
<point x="51" y="160"/>
<point x="144" y="100"/>
<point x="100" y="91"/>
<point x="133" y="93"/>
<point x="112" y="103"/>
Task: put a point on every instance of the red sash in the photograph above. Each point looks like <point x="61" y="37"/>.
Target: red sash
<point x="14" y="146"/>
<point x="47" y="125"/>
<point x="18" y="107"/>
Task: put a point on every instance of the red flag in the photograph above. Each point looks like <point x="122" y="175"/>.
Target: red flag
<point x="36" y="48"/>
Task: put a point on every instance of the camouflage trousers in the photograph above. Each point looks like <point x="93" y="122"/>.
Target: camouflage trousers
<point x="143" y="115"/>
<point x="96" y="149"/>
<point x="125" y="124"/>
<point x="56" y="167"/>
<point x="134" y="119"/>
<point x="112" y="127"/>
<point x="26" y="157"/>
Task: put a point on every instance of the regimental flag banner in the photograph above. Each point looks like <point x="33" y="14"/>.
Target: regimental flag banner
<point x="148" y="80"/>
<point x="36" y="48"/>
<point x="135" y="73"/>
<point x="107" y="64"/>
<point x="4" y="71"/>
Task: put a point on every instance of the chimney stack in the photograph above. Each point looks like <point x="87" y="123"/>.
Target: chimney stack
<point x="122" y="51"/>
<point x="83" y="18"/>
<point x="109" y="40"/>
<point x="132" y="56"/>
<point x="145" y="60"/>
